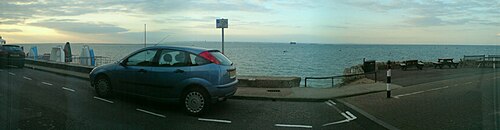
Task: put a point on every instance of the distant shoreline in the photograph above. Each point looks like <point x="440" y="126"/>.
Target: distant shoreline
<point x="298" y="43"/>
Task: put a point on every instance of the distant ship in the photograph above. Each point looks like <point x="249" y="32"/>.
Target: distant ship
<point x="293" y="42"/>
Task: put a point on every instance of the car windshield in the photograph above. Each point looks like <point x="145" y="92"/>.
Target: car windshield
<point x="250" y="64"/>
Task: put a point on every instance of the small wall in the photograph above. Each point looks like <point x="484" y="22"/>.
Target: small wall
<point x="268" y="82"/>
<point x="357" y="69"/>
<point x="60" y="65"/>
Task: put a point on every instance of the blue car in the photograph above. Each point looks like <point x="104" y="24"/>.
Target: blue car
<point x="195" y="77"/>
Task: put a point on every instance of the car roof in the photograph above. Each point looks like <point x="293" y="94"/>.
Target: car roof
<point x="191" y="49"/>
<point x="11" y="45"/>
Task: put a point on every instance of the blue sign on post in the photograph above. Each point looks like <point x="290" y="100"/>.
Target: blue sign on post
<point x="221" y="23"/>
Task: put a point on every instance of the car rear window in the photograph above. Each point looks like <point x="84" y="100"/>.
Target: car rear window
<point x="221" y="58"/>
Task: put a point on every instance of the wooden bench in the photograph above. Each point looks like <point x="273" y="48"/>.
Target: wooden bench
<point x="474" y="60"/>
<point x="445" y="61"/>
<point x="491" y="60"/>
<point x="411" y="63"/>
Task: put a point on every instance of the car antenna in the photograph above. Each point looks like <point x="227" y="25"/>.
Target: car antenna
<point x="162" y="39"/>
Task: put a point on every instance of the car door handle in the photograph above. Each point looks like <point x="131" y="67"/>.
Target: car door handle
<point x="142" y="71"/>
<point x="179" y="71"/>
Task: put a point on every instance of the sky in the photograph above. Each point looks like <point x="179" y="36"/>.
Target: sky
<point x="305" y="21"/>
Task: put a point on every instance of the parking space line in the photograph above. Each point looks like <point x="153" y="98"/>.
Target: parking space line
<point x="105" y="100"/>
<point x="351" y="115"/>
<point x="72" y="90"/>
<point x="11" y="73"/>
<point x="468" y="83"/>
<point x="215" y="120"/>
<point x="330" y="103"/>
<point x="152" y="113"/>
<point x="413" y="93"/>
<point x="47" y="83"/>
<point x="346" y="116"/>
<point x="337" y="122"/>
<point x="27" y="78"/>
<point x="293" y="126"/>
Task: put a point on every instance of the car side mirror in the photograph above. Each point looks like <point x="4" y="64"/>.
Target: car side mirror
<point x="123" y="64"/>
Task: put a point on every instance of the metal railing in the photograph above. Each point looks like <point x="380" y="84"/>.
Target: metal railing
<point x="338" y="76"/>
<point x="99" y="60"/>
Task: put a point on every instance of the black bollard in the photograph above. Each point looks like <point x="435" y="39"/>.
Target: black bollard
<point x="388" y="79"/>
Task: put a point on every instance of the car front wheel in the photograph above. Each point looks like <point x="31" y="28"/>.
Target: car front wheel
<point x="196" y="101"/>
<point x="103" y="87"/>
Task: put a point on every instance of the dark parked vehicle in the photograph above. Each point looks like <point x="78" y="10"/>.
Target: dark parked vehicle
<point x="195" y="77"/>
<point x="11" y="55"/>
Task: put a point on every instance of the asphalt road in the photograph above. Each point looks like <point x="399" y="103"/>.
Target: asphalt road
<point x="440" y="99"/>
<point x="31" y="99"/>
<point x="414" y="77"/>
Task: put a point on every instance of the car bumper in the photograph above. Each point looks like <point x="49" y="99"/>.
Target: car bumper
<point x="224" y="91"/>
<point x="11" y="61"/>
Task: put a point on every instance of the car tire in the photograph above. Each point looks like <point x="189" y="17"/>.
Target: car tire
<point x="103" y="86"/>
<point x="195" y="101"/>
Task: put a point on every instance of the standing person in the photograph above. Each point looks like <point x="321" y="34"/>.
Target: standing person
<point x="2" y="41"/>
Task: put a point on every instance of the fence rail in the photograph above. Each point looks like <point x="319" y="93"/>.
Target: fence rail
<point x="338" y="76"/>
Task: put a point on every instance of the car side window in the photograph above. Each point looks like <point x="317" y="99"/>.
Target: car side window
<point x="173" y="58"/>
<point x="144" y="58"/>
<point x="197" y="60"/>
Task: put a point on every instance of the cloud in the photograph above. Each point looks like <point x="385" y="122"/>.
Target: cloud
<point x="80" y="27"/>
<point x="425" y="21"/>
<point x="434" y="13"/>
<point x="195" y="5"/>
<point x="10" y="30"/>
<point x="10" y="21"/>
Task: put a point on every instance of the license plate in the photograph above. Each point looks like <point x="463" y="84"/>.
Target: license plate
<point x="232" y="74"/>
<point x="14" y="55"/>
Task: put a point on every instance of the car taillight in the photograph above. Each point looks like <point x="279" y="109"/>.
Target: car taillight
<point x="209" y="57"/>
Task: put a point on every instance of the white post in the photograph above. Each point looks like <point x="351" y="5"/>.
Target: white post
<point x="494" y="63"/>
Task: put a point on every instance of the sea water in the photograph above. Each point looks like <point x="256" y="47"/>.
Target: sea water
<point x="302" y="60"/>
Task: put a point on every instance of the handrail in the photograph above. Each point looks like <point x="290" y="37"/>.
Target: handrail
<point x="337" y="76"/>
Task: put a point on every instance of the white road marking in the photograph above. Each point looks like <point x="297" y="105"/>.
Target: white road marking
<point x="72" y="90"/>
<point x="47" y="83"/>
<point x="351" y="115"/>
<point x="332" y="102"/>
<point x="337" y="122"/>
<point x="105" y="100"/>
<point x="152" y="113"/>
<point x="11" y="73"/>
<point x="293" y="126"/>
<point x="214" y="120"/>
<point x="408" y="94"/>
<point x="346" y="116"/>
<point x="329" y="104"/>
<point x="468" y="83"/>
<point x="27" y="78"/>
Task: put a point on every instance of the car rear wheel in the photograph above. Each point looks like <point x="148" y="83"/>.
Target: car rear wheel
<point x="196" y="101"/>
<point x="103" y="87"/>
